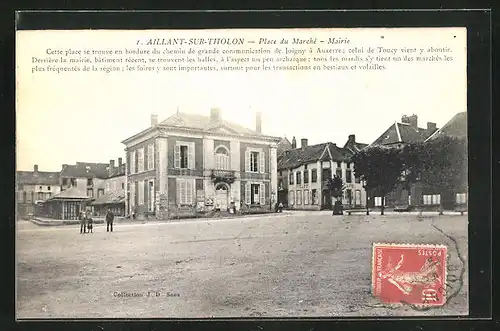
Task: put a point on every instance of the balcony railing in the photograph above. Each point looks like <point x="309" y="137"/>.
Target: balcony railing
<point x="225" y="176"/>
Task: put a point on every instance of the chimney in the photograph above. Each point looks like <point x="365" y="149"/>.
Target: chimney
<point x="215" y="115"/>
<point x="431" y="126"/>
<point x="413" y="119"/>
<point x="111" y="165"/>
<point x="294" y="143"/>
<point x="35" y="168"/>
<point x="352" y="138"/>
<point x="154" y="119"/>
<point x="303" y="143"/>
<point x="120" y="162"/>
<point x="405" y="119"/>
<point x="258" y="122"/>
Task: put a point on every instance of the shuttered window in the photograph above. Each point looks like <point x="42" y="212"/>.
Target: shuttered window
<point x="140" y="160"/>
<point x="140" y="193"/>
<point x="132" y="162"/>
<point x="151" y="157"/>
<point x="255" y="160"/>
<point x="299" y="197"/>
<point x="306" y="197"/>
<point x="184" y="155"/>
<point x="247" y="193"/>
<point x="221" y="159"/>
<point x="262" y="194"/>
<point x="292" y="198"/>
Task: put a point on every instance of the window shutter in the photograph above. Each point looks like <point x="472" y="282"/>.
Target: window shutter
<point x="189" y="193"/>
<point x="177" y="156"/>
<point x="247" y="193"/>
<point x="247" y="161"/>
<point x="178" y="192"/>
<point x="191" y="156"/>
<point x="262" y="194"/>
<point x="262" y="157"/>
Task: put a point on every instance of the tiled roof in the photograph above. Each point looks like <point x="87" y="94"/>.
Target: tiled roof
<point x="295" y="157"/>
<point x="283" y="145"/>
<point x="117" y="171"/>
<point x="71" y="193"/>
<point x="111" y="197"/>
<point x="402" y="132"/>
<point x="38" y="178"/>
<point x="196" y="121"/>
<point x="86" y="170"/>
<point x="456" y="127"/>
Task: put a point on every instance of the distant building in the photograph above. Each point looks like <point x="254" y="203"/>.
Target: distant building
<point x="190" y="163"/>
<point x="111" y="192"/>
<point x="35" y="187"/>
<point x="86" y="176"/>
<point x="303" y="171"/>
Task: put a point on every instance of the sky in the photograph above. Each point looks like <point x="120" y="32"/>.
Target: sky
<point x="69" y="117"/>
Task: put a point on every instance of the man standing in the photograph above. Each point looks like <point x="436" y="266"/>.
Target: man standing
<point x="109" y="220"/>
<point x="83" y="223"/>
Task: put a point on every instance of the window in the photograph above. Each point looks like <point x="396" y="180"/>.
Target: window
<point x="90" y="193"/>
<point x="431" y="199"/>
<point x="348" y="176"/>
<point x="255" y="193"/>
<point x="291" y="178"/>
<point x="306" y="176"/>
<point x="40" y="188"/>
<point x="151" y="157"/>
<point x="184" y="155"/>
<point x="254" y="161"/>
<point x="100" y="192"/>
<point x="314" y="197"/>
<point x="292" y="198"/>
<point x="314" y="176"/>
<point x="49" y="195"/>
<point x="40" y="196"/>
<point x="185" y="191"/>
<point x="73" y="181"/>
<point x="338" y="172"/>
<point x="140" y="160"/>
<point x="89" y="181"/>
<point x="461" y="198"/>
<point x="299" y="177"/>
<point x="348" y="165"/>
<point x="378" y="202"/>
<point x="339" y="164"/>
<point x="48" y="188"/>
<point x="306" y="197"/>
<point x="221" y="158"/>
<point x="132" y="162"/>
<point x="280" y="184"/>
<point x="123" y="186"/>
<point x="140" y="192"/>
<point x="299" y="197"/>
<point x="108" y="186"/>
<point x="348" y="196"/>
<point x="356" y="178"/>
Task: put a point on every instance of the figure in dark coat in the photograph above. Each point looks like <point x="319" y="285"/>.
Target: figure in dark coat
<point x="109" y="220"/>
<point x="83" y="223"/>
<point x="90" y="223"/>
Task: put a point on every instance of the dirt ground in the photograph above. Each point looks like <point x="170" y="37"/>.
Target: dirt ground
<point x="304" y="264"/>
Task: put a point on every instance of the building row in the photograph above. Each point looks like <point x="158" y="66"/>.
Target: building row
<point x="191" y="163"/>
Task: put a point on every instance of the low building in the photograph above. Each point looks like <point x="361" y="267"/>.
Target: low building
<point x="66" y="205"/>
<point x="305" y="171"/>
<point x="194" y="163"/>
<point x="33" y="188"/>
<point x="111" y="193"/>
<point x="86" y="176"/>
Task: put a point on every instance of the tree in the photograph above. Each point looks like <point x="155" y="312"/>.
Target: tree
<point x="381" y="168"/>
<point x="336" y="188"/>
<point x="443" y="166"/>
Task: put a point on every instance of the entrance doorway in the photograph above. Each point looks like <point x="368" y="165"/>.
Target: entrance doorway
<point x="326" y="200"/>
<point x="222" y="197"/>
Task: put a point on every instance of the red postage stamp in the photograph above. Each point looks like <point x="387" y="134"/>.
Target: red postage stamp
<point x="413" y="274"/>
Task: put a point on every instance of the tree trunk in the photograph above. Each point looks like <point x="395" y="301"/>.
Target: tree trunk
<point x="382" y="207"/>
<point x="441" y="204"/>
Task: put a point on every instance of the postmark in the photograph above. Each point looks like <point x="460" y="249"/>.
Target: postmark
<point x="409" y="273"/>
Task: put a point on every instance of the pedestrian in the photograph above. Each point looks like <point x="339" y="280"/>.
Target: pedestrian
<point x="90" y="223"/>
<point x="109" y="220"/>
<point x="83" y="225"/>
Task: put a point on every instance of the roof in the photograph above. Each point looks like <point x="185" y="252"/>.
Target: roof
<point x="456" y="127"/>
<point x="71" y="193"/>
<point x="202" y="122"/>
<point x="117" y="171"/>
<point x="111" y="197"/>
<point x="403" y="133"/>
<point x="86" y="170"/>
<point x="283" y="145"/>
<point x="294" y="158"/>
<point x="354" y="147"/>
<point x="38" y="178"/>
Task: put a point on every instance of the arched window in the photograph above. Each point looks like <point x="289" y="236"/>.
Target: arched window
<point x="222" y="158"/>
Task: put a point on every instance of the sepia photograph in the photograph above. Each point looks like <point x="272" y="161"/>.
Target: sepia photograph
<point x="248" y="173"/>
